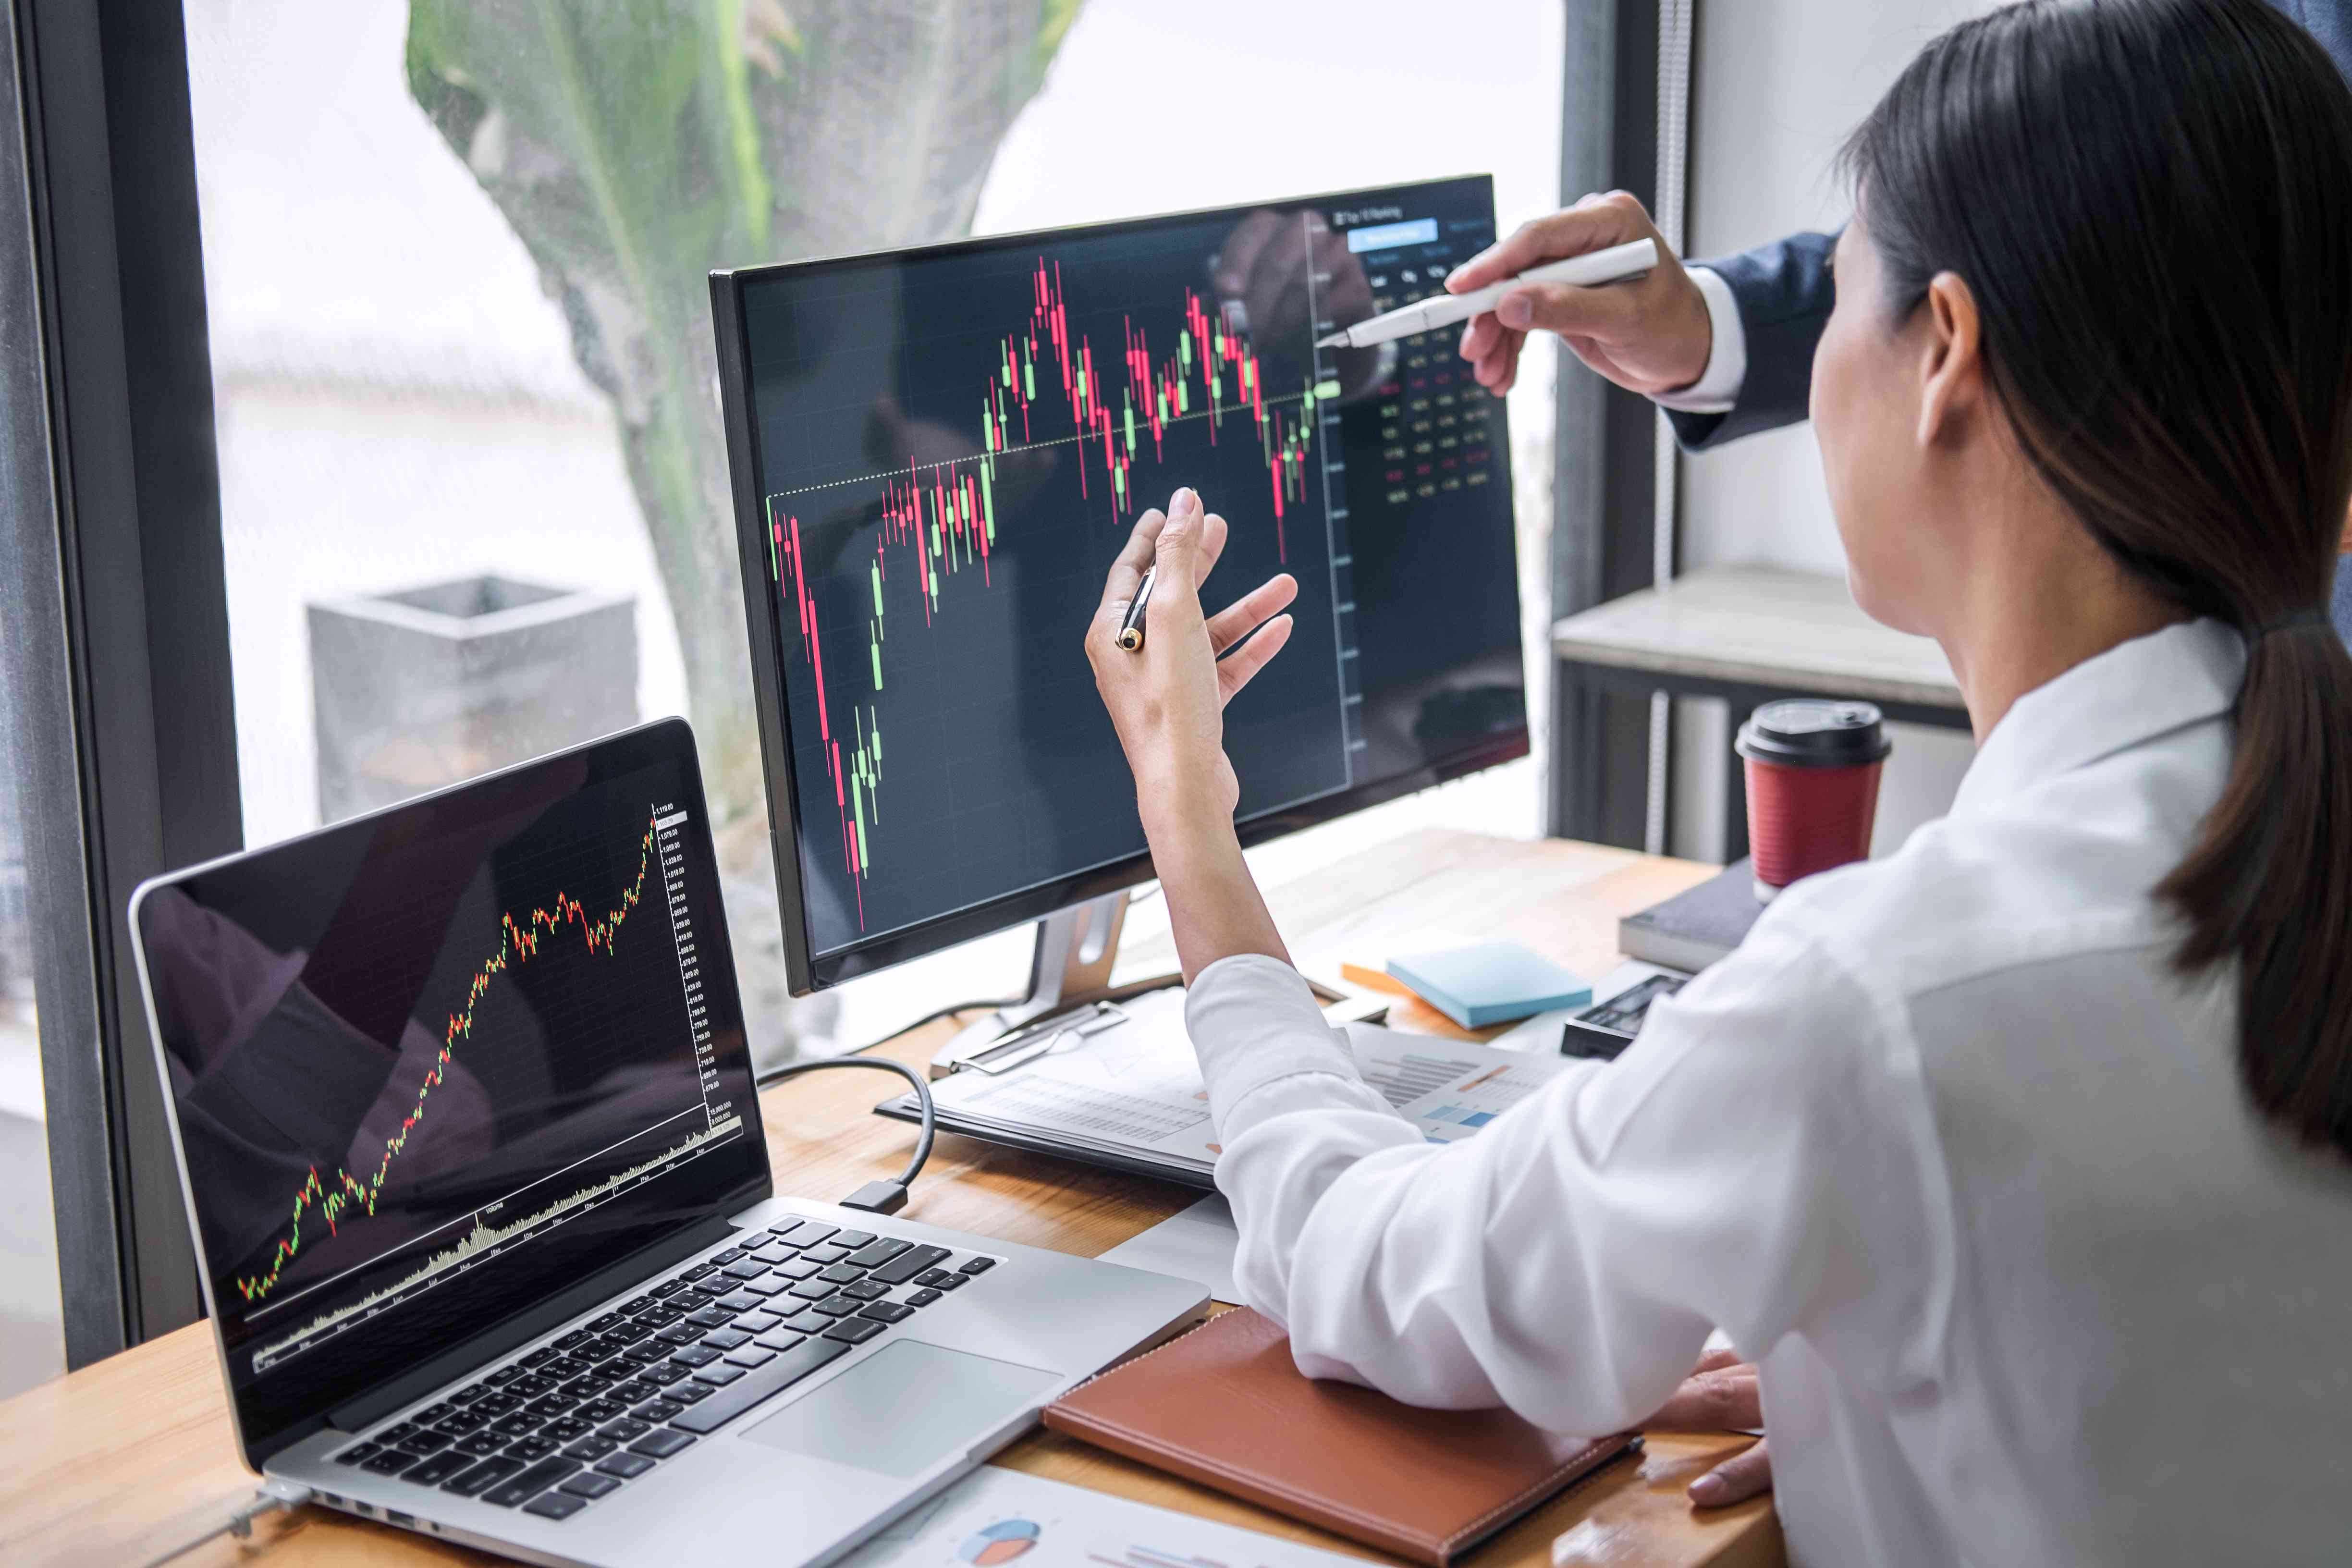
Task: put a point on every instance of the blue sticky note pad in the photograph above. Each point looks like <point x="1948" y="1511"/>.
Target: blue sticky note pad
<point x="1491" y="983"/>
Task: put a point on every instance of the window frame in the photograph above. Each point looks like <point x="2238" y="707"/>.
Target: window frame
<point x="119" y="624"/>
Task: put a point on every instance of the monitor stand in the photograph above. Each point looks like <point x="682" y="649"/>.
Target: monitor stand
<point x="1075" y="950"/>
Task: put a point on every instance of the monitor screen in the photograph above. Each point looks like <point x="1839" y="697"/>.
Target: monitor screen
<point x="432" y="1065"/>
<point x="938" y="451"/>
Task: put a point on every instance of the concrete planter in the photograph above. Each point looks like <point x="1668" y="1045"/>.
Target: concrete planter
<point x="418" y="690"/>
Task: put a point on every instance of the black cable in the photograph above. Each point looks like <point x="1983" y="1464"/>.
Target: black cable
<point x="877" y="1198"/>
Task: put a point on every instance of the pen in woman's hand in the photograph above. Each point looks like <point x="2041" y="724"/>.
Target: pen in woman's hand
<point x="1130" y="629"/>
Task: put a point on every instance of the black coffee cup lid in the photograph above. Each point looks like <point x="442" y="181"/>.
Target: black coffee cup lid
<point x="1808" y="732"/>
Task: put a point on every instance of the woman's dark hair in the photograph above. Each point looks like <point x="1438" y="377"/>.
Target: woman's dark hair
<point x="2151" y="202"/>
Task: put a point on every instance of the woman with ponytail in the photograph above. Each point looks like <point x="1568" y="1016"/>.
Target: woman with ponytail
<point x="2019" y="1163"/>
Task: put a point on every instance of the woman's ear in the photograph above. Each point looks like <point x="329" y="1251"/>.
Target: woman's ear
<point x="1951" y="363"/>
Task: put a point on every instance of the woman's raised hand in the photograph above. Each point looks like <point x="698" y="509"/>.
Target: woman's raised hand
<point x="1166" y="699"/>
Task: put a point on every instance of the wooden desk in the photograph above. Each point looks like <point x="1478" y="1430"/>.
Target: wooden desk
<point x="116" y="1462"/>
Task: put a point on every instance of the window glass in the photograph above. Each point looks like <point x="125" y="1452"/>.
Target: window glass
<point x="32" y="1329"/>
<point x="473" y="486"/>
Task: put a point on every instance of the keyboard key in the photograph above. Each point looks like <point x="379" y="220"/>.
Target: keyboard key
<point x="538" y="1358"/>
<point x="661" y="1317"/>
<point x="723" y="1259"/>
<point x="765" y="1286"/>
<point x="532" y="1482"/>
<point x="602" y="1410"/>
<point x="853" y="1331"/>
<point x="661" y="1444"/>
<point x="808" y="1233"/>
<point x="717" y="1285"/>
<point x="844" y="1274"/>
<point x="635" y="1304"/>
<point x="631" y="1332"/>
<point x="799" y="1269"/>
<point x="908" y="1264"/>
<point x="679" y="1334"/>
<point x="836" y="1307"/>
<point x="498" y="1404"/>
<point x="811" y="1290"/>
<point x="532" y="1447"/>
<point x="886" y="1312"/>
<point x="425" y="1442"/>
<point x="718" y="1376"/>
<point x="805" y="1357"/>
<point x="750" y="1356"/>
<point x="935" y="1277"/>
<point x="565" y="1367"/>
<point x="637" y="1391"/>
<point x="571" y="1426"/>
<point x="507" y="1374"/>
<point x="771" y="1255"/>
<point x="826" y="1255"/>
<point x="395" y="1432"/>
<point x="629" y="1428"/>
<point x="695" y="1355"/>
<point x="589" y="1448"/>
<point x="625" y="1465"/>
<point x="924" y="1297"/>
<point x="742" y="1301"/>
<point x="953" y="1282"/>
<point x="700" y="1271"/>
<point x="602" y="1323"/>
<point x="591" y="1485"/>
<point x="521" y="1424"/>
<point x="688" y="1393"/>
<point x="865" y="1291"/>
<point x="745" y="1268"/>
<point x="430" y="1413"/>
<point x="669" y="1372"/>
<point x="481" y="1445"/>
<point x="576" y="1337"/>
<point x="468" y="1395"/>
<point x="709" y="1318"/>
<point x="758" y="1322"/>
<point x="878" y="1251"/>
<point x="646" y="1354"/>
<point x="550" y="1406"/>
<point x="852" y="1239"/>
<point x="667" y="1289"/>
<point x="358" y="1453"/>
<point x="463" y="1422"/>
<point x="789" y="1335"/>
<point x="530" y="1385"/>
<point x="977" y="1265"/>
<point x="724" y="1340"/>
<point x="555" y="1505"/>
<point x="482" y="1477"/>
<point x="440" y="1468"/>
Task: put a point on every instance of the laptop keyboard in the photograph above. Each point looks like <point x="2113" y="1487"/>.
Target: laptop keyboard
<point x="595" y="1408"/>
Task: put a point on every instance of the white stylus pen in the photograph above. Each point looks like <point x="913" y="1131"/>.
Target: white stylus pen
<point x="1614" y="265"/>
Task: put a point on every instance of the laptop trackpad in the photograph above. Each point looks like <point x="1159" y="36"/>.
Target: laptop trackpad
<point x="897" y="1411"/>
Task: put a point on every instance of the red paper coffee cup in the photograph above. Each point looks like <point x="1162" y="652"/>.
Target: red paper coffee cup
<point x="1813" y="786"/>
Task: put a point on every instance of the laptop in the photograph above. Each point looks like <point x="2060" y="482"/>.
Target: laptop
<point x="465" y="1115"/>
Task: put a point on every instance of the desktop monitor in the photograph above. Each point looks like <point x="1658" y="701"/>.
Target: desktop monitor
<point x="936" y="451"/>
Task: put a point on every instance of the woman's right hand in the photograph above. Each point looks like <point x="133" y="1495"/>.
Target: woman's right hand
<point x="1649" y="336"/>
<point x="1721" y="1395"/>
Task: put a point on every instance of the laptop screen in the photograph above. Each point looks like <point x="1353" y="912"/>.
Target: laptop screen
<point x="430" y="1067"/>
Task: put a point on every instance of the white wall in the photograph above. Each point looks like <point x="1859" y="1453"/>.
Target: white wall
<point x="1777" y="85"/>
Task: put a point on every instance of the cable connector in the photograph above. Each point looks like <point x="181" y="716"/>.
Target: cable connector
<point x="271" y="1496"/>
<point x="877" y="1198"/>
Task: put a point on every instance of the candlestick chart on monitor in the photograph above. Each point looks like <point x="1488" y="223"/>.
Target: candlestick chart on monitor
<point x="953" y="446"/>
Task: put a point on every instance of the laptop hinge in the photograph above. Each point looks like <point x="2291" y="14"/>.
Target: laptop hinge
<point x="528" y="1324"/>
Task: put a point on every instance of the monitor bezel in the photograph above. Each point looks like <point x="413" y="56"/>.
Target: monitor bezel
<point x="804" y="971"/>
<point x="669" y="739"/>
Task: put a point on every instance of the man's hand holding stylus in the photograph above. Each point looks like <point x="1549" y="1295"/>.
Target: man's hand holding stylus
<point x="1649" y="336"/>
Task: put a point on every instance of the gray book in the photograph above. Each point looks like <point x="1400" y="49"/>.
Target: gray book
<point x="1697" y="926"/>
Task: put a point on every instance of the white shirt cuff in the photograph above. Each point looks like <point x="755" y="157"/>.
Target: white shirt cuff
<point x="1255" y="1020"/>
<point x="1717" y="389"/>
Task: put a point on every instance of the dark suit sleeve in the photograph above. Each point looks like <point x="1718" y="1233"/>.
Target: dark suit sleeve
<point x="1785" y="290"/>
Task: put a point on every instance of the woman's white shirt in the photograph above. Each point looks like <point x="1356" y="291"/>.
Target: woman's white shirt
<point x="1945" y="1147"/>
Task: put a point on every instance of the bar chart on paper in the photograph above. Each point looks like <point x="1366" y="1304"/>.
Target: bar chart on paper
<point x="952" y="448"/>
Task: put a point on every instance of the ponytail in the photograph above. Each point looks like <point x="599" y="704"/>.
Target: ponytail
<point x="2148" y="199"/>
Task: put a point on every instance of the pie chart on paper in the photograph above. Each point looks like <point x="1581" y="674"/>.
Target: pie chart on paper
<point x="998" y="1542"/>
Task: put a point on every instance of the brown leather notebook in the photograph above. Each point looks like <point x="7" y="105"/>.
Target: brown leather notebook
<point x="1226" y="1406"/>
